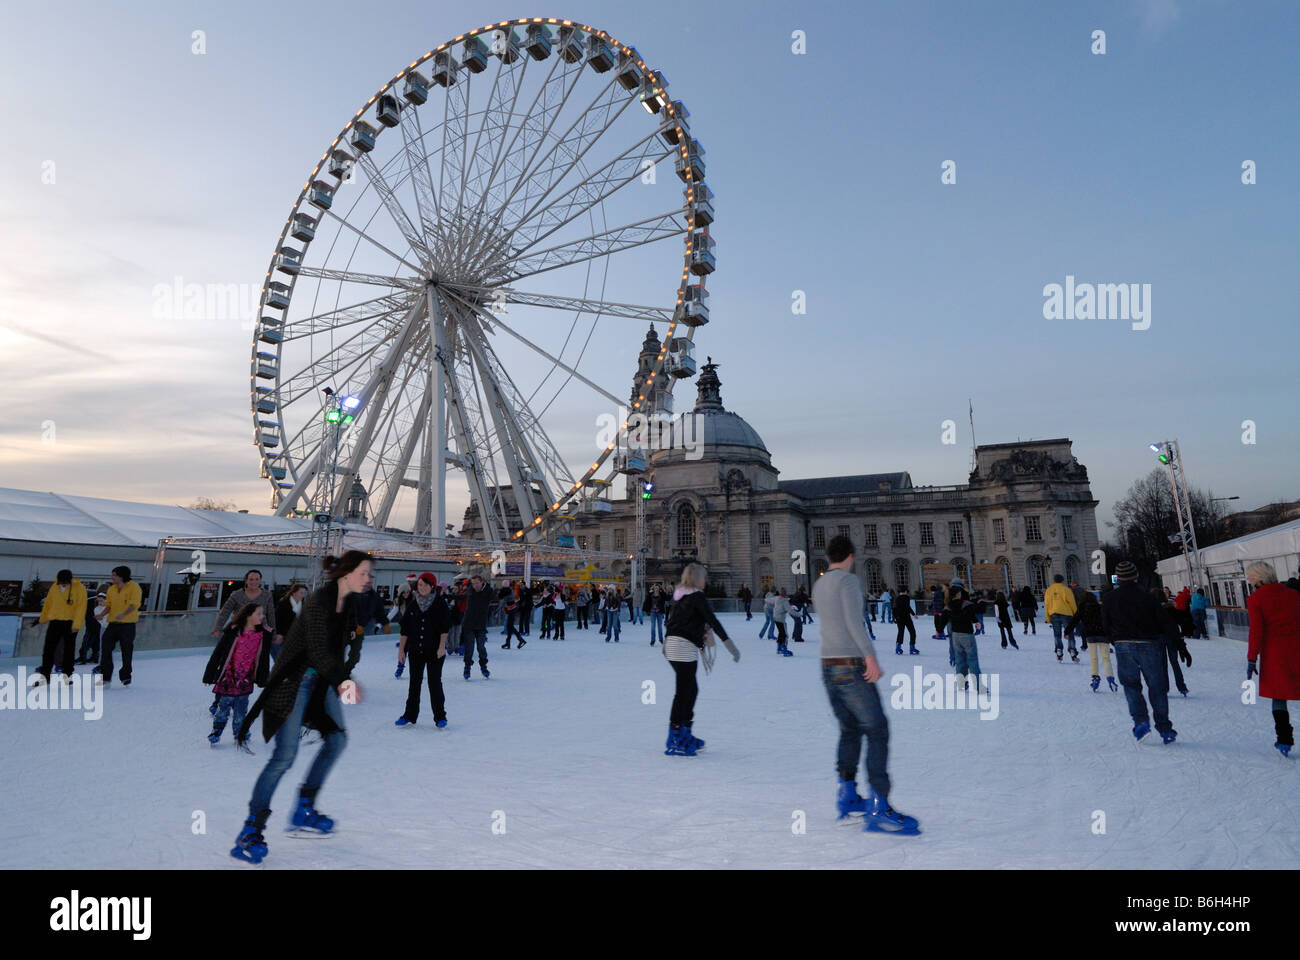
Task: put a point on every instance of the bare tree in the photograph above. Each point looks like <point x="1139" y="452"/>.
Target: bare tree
<point x="207" y="503"/>
<point x="1145" y="520"/>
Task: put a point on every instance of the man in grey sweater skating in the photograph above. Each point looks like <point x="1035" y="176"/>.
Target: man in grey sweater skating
<point x="849" y="672"/>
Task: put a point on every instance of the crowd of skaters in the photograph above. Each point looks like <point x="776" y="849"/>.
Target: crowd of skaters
<point x="1144" y="629"/>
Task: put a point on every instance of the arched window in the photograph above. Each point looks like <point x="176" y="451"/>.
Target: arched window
<point x="685" y="526"/>
<point x="875" y="575"/>
<point x="765" y="581"/>
<point x="902" y="575"/>
<point x="961" y="569"/>
<point x="819" y="567"/>
<point x="1072" y="569"/>
<point x="1036" y="570"/>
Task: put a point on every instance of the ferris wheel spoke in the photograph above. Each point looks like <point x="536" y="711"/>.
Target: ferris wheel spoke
<point x="329" y="366"/>
<point x="595" y="189"/>
<point x="398" y="418"/>
<point x="551" y="96"/>
<point x="542" y="453"/>
<point x="455" y="133"/>
<point x="551" y="167"/>
<point x="650" y="230"/>
<point x="348" y="276"/>
<point x="494" y="322"/>
<point x="506" y="87"/>
<point x="417" y="168"/>
<point x="365" y="311"/>
<point x="374" y="394"/>
<point x="369" y="239"/>
<point x="604" y="308"/>
<point x="473" y="439"/>
<point x="394" y="208"/>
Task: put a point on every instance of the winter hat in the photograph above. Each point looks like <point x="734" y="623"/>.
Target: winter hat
<point x="1126" y="571"/>
<point x="958" y="584"/>
<point x="428" y="578"/>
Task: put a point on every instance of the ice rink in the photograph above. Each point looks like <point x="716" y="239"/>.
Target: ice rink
<point x="557" y="761"/>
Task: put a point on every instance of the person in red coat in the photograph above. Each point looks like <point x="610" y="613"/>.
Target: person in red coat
<point x="1275" y="640"/>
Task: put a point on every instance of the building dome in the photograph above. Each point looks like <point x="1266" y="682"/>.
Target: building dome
<point x="721" y="433"/>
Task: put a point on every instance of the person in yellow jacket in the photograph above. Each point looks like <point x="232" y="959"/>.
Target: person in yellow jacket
<point x="123" y="600"/>
<point x="65" y="612"/>
<point x="1060" y="608"/>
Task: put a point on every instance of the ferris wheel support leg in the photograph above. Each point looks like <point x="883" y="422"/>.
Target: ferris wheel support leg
<point x="373" y="396"/>
<point x="436" y="436"/>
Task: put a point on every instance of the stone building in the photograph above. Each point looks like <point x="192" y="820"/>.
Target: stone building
<point x="718" y="500"/>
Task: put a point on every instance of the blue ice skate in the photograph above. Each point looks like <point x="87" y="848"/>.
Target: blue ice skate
<point x="307" y="821"/>
<point x="882" y="818"/>
<point x="849" y="804"/>
<point x="1141" y="731"/>
<point x="250" y="845"/>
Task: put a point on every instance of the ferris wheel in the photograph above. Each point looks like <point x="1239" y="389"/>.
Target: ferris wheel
<point x="464" y="263"/>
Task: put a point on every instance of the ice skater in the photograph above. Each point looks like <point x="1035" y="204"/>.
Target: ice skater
<point x="900" y="608"/>
<point x="768" y="629"/>
<point x="65" y="612"/>
<point x="1087" y="623"/>
<point x="1006" y="628"/>
<point x="1059" y="607"/>
<point x="960" y="613"/>
<point x="306" y="688"/>
<point x="474" y="625"/>
<point x="241" y="658"/>
<point x="849" y="674"/>
<point x="780" y="610"/>
<point x="1027" y="610"/>
<point x="689" y="621"/>
<point x="1132" y="620"/>
<point x="123" y="599"/>
<point x="1273" y="647"/>
<point x="425" y="626"/>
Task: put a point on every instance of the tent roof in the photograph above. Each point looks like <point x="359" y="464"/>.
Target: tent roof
<point x="58" y="518"/>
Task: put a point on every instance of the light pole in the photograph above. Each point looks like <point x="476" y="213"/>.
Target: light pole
<point x="1168" y="453"/>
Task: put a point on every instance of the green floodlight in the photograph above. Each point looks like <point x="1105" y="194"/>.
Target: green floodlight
<point x="1161" y="452"/>
<point x="331" y="416"/>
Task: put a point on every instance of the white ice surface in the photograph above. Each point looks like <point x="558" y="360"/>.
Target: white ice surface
<point x="561" y="743"/>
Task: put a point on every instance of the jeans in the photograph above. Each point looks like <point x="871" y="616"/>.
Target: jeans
<point x="687" y="690"/>
<point x="59" y="633"/>
<point x="1099" y="647"/>
<point x="856" y="705"/>
<point x="1144" y="660"/>
<point x="1059" y="620"/>
<point x="613" y="627"/>
<point x="966" y="654"/>
<point x="1199" y="624"/>
<point x="604" y="623"/>
<point x="656" y="627"/>
<point x="796" y="635"/>
<point x="638" y="615"/>
<point x="1282" y="723"/>
<point x="748" y="613"/>
<point x="886" y="612"/>
<point x="436" y="698"/>
<point x="525" y="620"/>
<point x="286" y="747"/>
<point x="90" y="640"/>
<point x="768" y="626"/>
<point x="453" y="639"/>
<point x="479" y="636"/>
<point x="115" y="633"/>
<point x="225" y="705"/>
<point x="580" y="613"/>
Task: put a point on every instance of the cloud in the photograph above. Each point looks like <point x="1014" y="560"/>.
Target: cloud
<point x="61" y="342"/>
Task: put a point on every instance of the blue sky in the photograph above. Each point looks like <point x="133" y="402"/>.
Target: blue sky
<point x="1117" y="168"/>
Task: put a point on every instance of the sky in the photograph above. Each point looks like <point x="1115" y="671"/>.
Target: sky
<point x="135" y="162"/>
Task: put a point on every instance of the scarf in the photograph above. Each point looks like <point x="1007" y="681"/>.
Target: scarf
<point x="423" y="601"/>
<point x="296" y="605"/>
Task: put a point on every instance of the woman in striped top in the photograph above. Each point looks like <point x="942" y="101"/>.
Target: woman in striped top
<point x="690" y="620"/>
